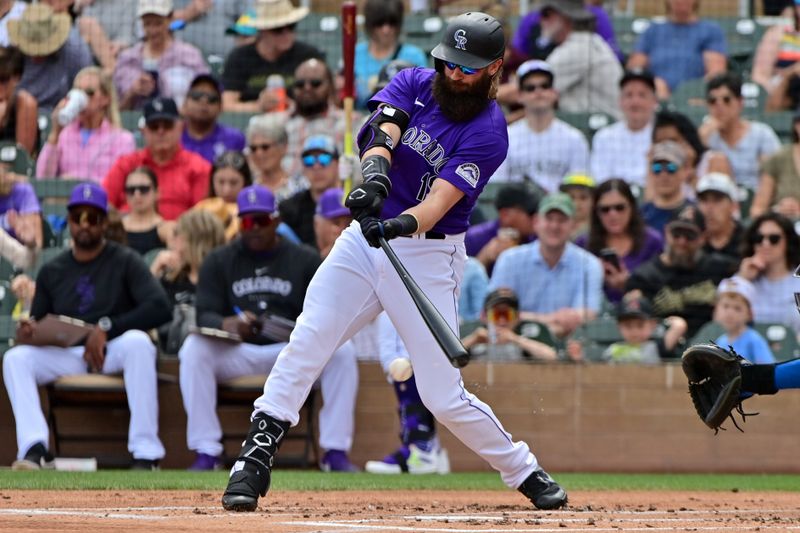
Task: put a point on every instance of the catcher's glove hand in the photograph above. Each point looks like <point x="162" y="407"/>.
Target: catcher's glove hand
<point x="715" y="383"/>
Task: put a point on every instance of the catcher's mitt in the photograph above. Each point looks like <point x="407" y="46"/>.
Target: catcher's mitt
<point x="715" y="383"/>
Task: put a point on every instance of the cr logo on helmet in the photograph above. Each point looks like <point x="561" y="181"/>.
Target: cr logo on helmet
<point x="461" y="39"/>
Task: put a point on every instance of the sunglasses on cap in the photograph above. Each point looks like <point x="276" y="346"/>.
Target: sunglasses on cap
<point x="323" y="159"/>
<point x="685" y="233"/>
<point x="669" y="168"/>
<point x="314" y="83"/>
<point x="773" y="238"/>
<point x="130" y="190"/>
<point x="211" y="98"/>
<point x="465" y="70"/>
<point x="231" y="159"/>
<point x="250" y="222"/>
<point x="91" y="217"/>
<point x="606" y="209"/>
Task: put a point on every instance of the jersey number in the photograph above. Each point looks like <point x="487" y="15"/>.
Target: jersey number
<point x="425" y="185"/>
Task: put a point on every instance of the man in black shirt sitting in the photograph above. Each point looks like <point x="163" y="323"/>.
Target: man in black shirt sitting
<point x="105" y="284"/>
<point x="251" y="287"/>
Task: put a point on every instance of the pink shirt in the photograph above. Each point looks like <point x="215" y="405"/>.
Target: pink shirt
<point x="69" y="159"/>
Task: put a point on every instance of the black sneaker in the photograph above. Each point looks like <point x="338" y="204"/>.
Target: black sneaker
<point x="145" y="464"/>
<point x="250" y="475"/>
<point x="36" y="458"/>
<point x="543" y="491"/>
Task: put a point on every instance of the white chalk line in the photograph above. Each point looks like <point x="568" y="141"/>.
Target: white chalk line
<point x="344" y="528"/>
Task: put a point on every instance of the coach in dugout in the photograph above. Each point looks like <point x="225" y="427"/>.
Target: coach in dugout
<point x="105" y="284"/>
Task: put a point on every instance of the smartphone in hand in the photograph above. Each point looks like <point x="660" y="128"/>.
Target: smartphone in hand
<point x="610" y="256"/>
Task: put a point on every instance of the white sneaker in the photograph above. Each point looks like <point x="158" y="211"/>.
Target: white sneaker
<point x="419" y="461"/>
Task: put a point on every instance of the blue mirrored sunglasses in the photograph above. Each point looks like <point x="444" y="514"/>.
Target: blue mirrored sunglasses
<point x="323" y="159"/>
<point x="466" y="70"/>
<point x="671" y="168"/>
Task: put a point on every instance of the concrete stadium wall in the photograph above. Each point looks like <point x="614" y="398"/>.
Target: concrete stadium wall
<point x="576" y="417"/>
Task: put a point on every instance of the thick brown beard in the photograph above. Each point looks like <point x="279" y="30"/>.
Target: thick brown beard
<point x="464" y="105"/>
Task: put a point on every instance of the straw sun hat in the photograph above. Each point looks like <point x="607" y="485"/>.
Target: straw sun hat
<point x="271" y="14"/>
<point x="39" y="32"/>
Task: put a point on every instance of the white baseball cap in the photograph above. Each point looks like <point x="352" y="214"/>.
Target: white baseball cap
<point x="154" y="7"/>
<point x="738" y="285"/>
<point x="717" y="182"/>
<point x="532" y="66"/>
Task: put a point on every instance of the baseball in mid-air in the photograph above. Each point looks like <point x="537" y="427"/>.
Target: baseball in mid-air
<point x="400" y="369"/>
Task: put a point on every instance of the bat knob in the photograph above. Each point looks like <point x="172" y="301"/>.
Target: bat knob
<point x="460" y="361"/>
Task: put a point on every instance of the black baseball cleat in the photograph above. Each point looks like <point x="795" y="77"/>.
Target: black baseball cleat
<point x="543" y="491"/>
<point x="250" y="475"/>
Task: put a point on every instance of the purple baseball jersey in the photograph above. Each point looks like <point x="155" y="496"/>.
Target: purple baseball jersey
<point x="465" y="154"/>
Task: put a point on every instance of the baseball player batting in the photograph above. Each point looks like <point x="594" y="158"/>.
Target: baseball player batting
<point x="433" y="140"/>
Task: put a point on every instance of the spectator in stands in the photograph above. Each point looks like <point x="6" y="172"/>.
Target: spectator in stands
<point x="716" y="199"/>
<point x="771" y="253"/>
<point x="53" y="54"/>
<point x="229" y="175"/>
<point x="182" y="175"/>
<point x="160" y="65"/>
<point x="108" y="27"/>
<point x="314" y="112"/>
<point x="746" y="143"/>
<point x="535" y="43"/>
<point x="383" y="24"/>
<point x="682" y="48"/>
<point x="86" y="148"/>
<point x="541" y="147"/>
<point x="557" y="282"/>
<point x="516" y="205"/>
<point x="587" y="72"/>
<point x="144" y="228"/>
<point x="620" y="150"/>
<point x="197" y="233"/>
<point x="102" y="283"/>
<point x="20" y="213"/>
<point x="321" y="162"/>
<point x="668" y="174"/>
<point x="18" y="107"/>
<point x="683" y="279"/>
<point x="503" y="336"/>
<point x="221" y="291"/>
<point x="618" y="236"/>
<point x="203" y="134"/>
<point x="331" y="217"/>
<point x="9" y="10"/>
<point x="474" y="287"/>
<point x="580" y="188"/>
<point x="779" y="184"/>
<point x="775" y="65"/>
<point x="206" y="21"/>
<point x="275" y="51"/>
<point x="266" y="148"/>
<point x="734" y="312"/>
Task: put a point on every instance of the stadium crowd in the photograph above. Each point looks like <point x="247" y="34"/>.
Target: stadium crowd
<point x="651" y="225"/>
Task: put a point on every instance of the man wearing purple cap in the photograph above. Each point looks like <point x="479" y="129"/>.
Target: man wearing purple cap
<point x="102" y="283"/>
<point x="330" y="219"/>
<point x="202" y="134"/>
<point x="433" y="140"/>
<point x="252" y="288"/>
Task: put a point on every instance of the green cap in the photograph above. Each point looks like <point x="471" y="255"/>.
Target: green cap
<point x="557" y="202"/>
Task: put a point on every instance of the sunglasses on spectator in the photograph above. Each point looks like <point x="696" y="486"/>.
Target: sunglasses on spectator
<point x="90" y="91"/>
<point x="606" y="209"/>
<point x="314" y="83"/>
<point x="391" y="21"/>
<point x="156" y="125"/>
<point x="211" y="98"/>
<point x="533" y="87"/>
<point x="91" y="217"/>
<point x="724" y="99"/>
<point x="283" y="29"/>
<point x="669" y="168"/>
<point x="323" y="159"/>
<point x="256" y="147"/>
<point x="773" y="238"/>
<point x="130" y="190"/>
<point x="250" y="222"/>
<point x="465" y="70"/>
<point x="685" y="233"/>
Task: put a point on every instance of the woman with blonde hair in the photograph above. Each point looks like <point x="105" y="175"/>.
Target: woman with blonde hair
<point x="87" y="145"/>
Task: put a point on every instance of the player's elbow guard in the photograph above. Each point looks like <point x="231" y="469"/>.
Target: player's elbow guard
<point x="371" y="134"/>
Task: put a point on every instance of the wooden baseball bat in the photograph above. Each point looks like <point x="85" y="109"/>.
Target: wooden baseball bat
<point x="349" y="35"/>
<point x="438" y="326"/>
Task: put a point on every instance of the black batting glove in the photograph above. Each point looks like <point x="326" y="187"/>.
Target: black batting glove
<point x="366" y="200"/>
<point x="373" y="228"/>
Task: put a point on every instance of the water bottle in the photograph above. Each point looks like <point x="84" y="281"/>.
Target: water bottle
<point x="277" y="87"/>
<point x="77" y="100"/>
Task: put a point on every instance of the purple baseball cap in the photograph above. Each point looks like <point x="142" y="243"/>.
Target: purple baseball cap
<point x="255" y="199"/>
<point x="90" y="194"/>
<point x="330" y="204"/>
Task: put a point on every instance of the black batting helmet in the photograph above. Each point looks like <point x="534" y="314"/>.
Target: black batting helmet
<point x="473" y="40"/>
